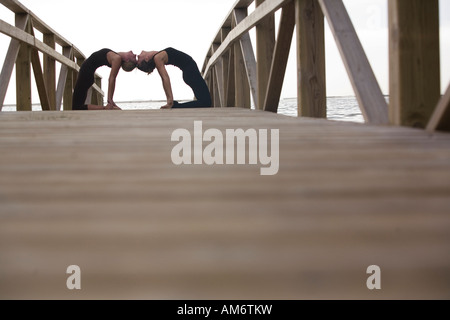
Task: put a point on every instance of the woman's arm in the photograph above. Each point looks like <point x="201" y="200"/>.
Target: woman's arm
<point x="116" y="63"/>
<point x="161" y="67"/>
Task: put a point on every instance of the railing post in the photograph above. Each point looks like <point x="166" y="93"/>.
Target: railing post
<point x="79" y="62"/>
<point x="265" y="44"/>
<point x="210" y="86"/>
<point x="225" y="68"/>
<point x="311" y="92"/>
<point x="230" y="92"/>
<point x="414" y="68"/>
<point x="23" y="73"/>
<point x="63" y="77"/>
<point x="280" y="57"/>
<point x="50" y="71"/>
<point x="68" y="91"/>
<point x="248" y="57"/>
<point x="215" y="91"/>
<point x="218" y="71"/>
<point x="242" y="88"/>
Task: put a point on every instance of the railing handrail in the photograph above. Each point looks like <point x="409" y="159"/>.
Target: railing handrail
<point x="226" y="23"/>
<point x="244" y="26"/>
<point x="19" y="8"/>
<point x="71" y="58"/>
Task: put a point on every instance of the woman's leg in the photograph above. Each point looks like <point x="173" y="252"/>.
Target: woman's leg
<point x="193" y="78"/>
<point x="84" y="82"/>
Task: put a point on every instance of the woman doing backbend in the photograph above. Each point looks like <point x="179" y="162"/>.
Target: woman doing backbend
<point x="103" y="57"/>
<point x="149" y="60"/>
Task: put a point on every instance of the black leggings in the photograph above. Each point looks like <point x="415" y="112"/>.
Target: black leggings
<point x="84" y="81"/>
<point x="193" y="78"/>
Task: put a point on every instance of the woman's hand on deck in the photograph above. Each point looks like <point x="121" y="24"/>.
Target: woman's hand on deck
<point x="112" y="106"/>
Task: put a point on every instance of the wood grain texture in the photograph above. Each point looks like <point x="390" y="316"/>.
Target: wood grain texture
<point x="310" y="35"/>
<point x="265" y="45"/>
<point x="23" y="73"/>
<point x="414" y="61"/>
<point x="98" y="189"/>
<point x="50" y="71"/>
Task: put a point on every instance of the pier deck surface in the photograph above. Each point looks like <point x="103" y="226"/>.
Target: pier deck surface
<point x="99" y="190"/>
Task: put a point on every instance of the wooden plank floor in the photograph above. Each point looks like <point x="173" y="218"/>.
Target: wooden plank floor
<point x="99" y="190"/>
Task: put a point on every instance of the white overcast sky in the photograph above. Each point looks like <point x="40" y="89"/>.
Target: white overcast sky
<point x="190" y="26"/>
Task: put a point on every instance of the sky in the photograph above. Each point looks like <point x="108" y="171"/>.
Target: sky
<point x="190" y="26"/>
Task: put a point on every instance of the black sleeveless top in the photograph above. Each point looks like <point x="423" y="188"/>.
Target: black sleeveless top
<point x="97" y="60"/>
<point x="177" y="58"/>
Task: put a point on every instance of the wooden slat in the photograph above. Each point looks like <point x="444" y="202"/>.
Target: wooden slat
<point x="215" y="90"/>
<point x="265" y="44"/>
<point x="242" y="97"/>
<point x="440" y="119"/>
<point x="63" y="77"/>
<point x="367" y="90"/>
<point x="68" y="91"/>
<point x="98" y="190"/>
<point x="218" y="72"/>
<point x="79" y="62"/>
<point x="38" y="75"/>
<point x="23" y="73"/>
<point x="248" y="56"/>
<point x="242" y="88"/>
<point x="40" y="82"/>
<point x="414" y="67"/>
<point x="230" y="94"/>
<point x="50" y="71"/>
<point x="210" y="83"/>
<point x="311" y="92"/>
<point x="225" y="68"/>
<point x="280" y="58"/>
<point x="15" y="6"/>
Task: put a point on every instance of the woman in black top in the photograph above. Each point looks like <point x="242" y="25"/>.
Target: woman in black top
<point x="103" y="57"/>
<point x="149" y="60"/>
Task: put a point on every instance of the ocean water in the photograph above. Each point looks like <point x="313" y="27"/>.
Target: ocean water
<point x="338" y="108"/>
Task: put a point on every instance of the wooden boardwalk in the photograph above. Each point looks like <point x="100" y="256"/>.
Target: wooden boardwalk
<point x="99" y="190"/>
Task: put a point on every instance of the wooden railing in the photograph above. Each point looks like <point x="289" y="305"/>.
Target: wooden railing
<point x="23" y="52"/>
<point x="234" y="72"/>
